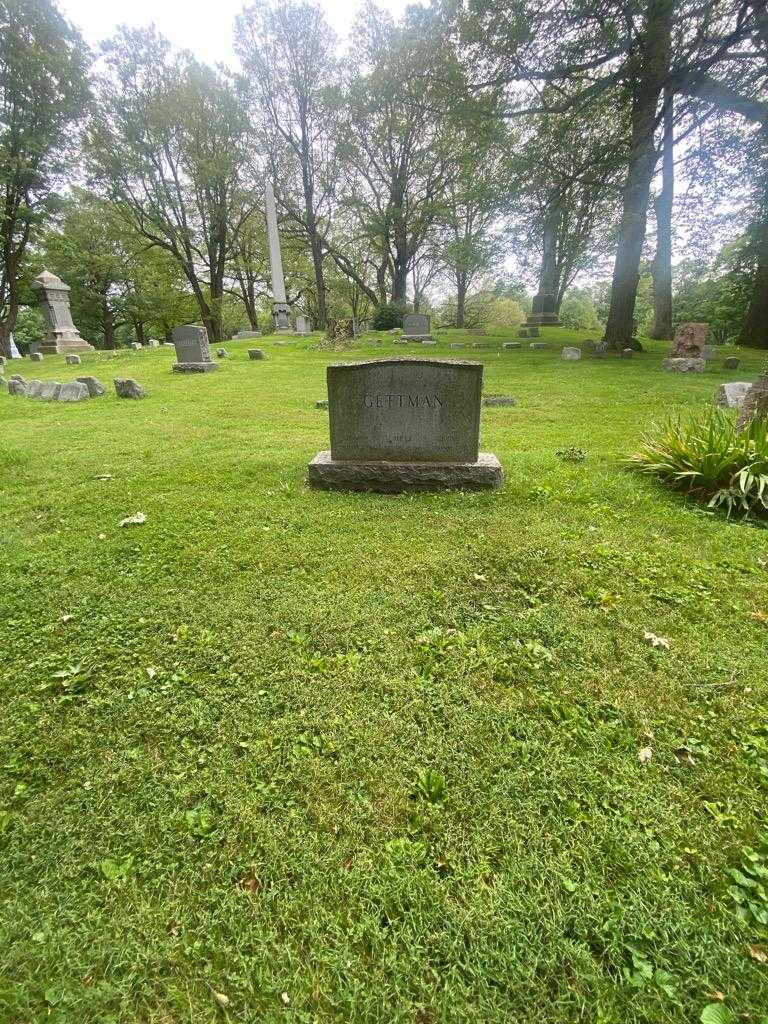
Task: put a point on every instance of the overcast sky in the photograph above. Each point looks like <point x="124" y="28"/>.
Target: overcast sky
<point x="205" y="29"/>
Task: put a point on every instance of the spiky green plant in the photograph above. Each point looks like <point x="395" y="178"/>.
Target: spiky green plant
<point x="707" y="456"/>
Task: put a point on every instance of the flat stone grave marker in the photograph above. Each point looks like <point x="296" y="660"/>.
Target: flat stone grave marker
<point x="257" y="353"/>
<point x="404" y="425"/>
<point x="571" y="352"/>
<point x="192" y="351"/>
<point x="73" y="360"/>
<point x="512" y="344"/>
<point x="37" y="357"/>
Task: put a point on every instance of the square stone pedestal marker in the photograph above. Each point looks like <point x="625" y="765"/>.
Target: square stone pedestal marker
<point x="404" y="424"/>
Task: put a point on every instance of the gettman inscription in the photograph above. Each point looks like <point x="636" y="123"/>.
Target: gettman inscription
<point x="420" y="410"/>
<point x="402" y="402"/>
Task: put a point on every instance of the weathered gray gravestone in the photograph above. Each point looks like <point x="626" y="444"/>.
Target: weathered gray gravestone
<point x="280" y="308"/>
<point x="404" y="425"/>
<point x="94" y="385"/>
<point x="62" y="334"/>
<point x="192" y="352"/>
<point x="732" y="395"/>
<point x="50" y="391"/>
<point x="571" y="352"/>
<point x="126" y="387"/>
<point x="73" y="360"/>
<point x="303" y="325"/>
<point x="37" y="357"/>
<point x="416" y="327"/>
<point x="257" y="353"/>
<point x="73" y="391"/>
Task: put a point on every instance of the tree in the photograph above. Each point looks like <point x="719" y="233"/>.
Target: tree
<point x="167" y="144"/>
<point x="43" y="89"/>
<point x="87" y="248"/>
<point x="662" y="261"/>
<point x="288" y="54"/>
<point x="473" y="204"/>
<point x="399" y="154"/>
<point x="624" y="52"/>
<point x="567" y="175"/>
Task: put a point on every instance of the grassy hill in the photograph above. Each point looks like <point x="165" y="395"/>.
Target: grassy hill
<point x="285" y="755"/>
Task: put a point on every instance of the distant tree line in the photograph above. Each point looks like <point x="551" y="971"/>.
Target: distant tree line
<point x="456" y="160"/>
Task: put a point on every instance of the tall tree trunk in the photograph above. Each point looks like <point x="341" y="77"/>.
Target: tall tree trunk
<point x="400" y="259"/>
<point x="662" y="263"/>
<point x="108" y="323"/>
<point x="316" y="243"/>
<point x="461" y="299"/>
<point x="140" y="332"/>
<point x="648" y="85"/>
<point x="754" y="331"/>
<point x="7" y="328"/>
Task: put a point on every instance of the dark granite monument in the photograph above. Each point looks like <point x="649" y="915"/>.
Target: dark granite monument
<point x="416" y="327"/>
<point x="192" y="352"/>
<point x="404" y="425"/>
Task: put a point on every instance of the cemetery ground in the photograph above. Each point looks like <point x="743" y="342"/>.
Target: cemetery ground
<point x="288" y="755"/>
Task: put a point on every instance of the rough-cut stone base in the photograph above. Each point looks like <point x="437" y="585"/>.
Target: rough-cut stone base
<point x="679" y="364"/>
<point x="422" y="338"/>
<point x="393" y="477"/>
<point x="195" y="367"/>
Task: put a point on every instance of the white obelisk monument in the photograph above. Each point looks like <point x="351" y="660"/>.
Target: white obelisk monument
<point x="280" y="308"/>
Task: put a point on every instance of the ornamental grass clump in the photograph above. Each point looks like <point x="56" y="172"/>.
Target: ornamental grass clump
<point x="709" y="457"/>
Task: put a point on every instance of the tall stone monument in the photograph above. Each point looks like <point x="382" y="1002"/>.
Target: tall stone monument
<point x="404" y="425"/>
<point x="544" y="304"/>
<point x="280" y="308"/>
<point x="62" y="337"/>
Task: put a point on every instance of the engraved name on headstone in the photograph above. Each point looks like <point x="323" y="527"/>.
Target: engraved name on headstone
<point x="416" y="325"/>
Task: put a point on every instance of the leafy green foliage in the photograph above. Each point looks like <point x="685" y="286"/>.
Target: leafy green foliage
<point x="749" y="887"/>
<point x="704" y="455"/>
<point x="389" y="315"/>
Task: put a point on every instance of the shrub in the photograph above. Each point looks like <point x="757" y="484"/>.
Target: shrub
<point x="708" y="457"/>
<point x="388" y="315"/>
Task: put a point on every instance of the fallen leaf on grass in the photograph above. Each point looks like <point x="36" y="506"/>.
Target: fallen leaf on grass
<point x="105" y="476"/>
<point x="220" y="998"/>
<point x="67" y="618"/>
<point x="759" y="954"/>
<point x="656" y="641"/>
<point x="644" y="755"/>
<point x="286" y="999"/>
<point x="760" y="616"/>
<point x="137" y="519"/>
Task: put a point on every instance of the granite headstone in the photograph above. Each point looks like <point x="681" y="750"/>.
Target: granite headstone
<point x="404" y="424"/>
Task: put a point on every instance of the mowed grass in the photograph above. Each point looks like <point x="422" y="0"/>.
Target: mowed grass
<point x="280" y="755"/>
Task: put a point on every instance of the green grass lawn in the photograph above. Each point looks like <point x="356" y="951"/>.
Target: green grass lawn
<point x="284" y="755"/>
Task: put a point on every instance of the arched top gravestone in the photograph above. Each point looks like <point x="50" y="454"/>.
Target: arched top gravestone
<point x="404" y="424"/>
